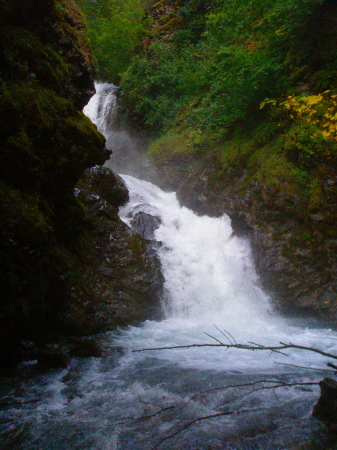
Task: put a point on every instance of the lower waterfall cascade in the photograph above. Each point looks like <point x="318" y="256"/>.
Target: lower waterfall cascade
<point x="200" y="398"/>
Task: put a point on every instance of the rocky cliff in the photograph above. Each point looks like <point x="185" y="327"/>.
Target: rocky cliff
<point x="66" y="261"/>
<point x="295" y="251"/>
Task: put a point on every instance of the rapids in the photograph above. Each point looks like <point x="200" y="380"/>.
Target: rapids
<point x="129" y="400"/>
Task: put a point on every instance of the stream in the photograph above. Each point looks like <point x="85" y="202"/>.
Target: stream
<point x="200" y="397"/>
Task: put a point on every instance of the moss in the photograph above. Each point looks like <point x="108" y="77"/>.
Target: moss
<point x="235" y="153"/>
<point x="167" y="26"/>
<point x="45" y="144"/>
<point x="22" y="215"/>
<point x="28" y="57"/>
<point x="173" y="144"/>
<point x="49" y="136"/>
<point x="315" y="196"/>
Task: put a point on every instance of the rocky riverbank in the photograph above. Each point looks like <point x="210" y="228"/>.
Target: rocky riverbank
<point x="68" y="265"/>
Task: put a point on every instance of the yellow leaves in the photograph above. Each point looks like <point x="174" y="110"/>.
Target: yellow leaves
<point x="312" y="99"/>
<point x="318" y="110"/>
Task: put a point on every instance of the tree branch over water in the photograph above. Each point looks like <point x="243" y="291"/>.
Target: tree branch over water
<point x="265" y="384"/>
<point x="250" y="346"/>
<point x="249" y="388"/>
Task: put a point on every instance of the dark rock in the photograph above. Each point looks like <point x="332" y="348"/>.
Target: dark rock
<point x="107" y="185"/>
<point x="326" y="407"/>
<point x="84" y="348"/>
<point x="295" y="250"/>
<point x="118" y="279"/>
<point x="52" y="358"/>
<point x="145" y="224"/>
<point x="46" y="143"/>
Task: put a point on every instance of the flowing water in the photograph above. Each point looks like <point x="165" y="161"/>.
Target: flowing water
<point x="201" y="397"/>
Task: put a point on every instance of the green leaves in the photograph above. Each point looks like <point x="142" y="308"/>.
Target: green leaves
<point x="225" y="58"/>
<point x="115" y="27"/>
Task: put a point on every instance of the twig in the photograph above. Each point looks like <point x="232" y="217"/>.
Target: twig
<point x="35" y="400"/>
<point x="309" y="368"/>
<point x="149" y="403"/>
<point x="230" y="338"/>
<point x="125" y="420"/>
<point x="281" y="384"/>
<point x="331" y="365"/>
<point x="229" y="386"/>
<point x="212" y="337"/>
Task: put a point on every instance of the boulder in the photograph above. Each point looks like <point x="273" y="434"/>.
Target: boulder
<point x="326" y="407"/>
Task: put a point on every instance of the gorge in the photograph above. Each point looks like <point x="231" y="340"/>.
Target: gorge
<point x="128" y="400"/>
<point x="72" y="268"/>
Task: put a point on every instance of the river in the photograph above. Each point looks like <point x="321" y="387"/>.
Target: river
<point x="200" y="397"/>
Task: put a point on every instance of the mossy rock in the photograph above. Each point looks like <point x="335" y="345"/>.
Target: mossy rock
<point x="46" y="143"/>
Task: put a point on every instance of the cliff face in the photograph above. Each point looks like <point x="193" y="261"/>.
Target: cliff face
<point x="295" y="253"/>
<point x="46" y="143"/>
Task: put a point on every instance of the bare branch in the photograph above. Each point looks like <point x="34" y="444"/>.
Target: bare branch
<point x="251" y="347"/>
<point x="225" y="413"/>
<point x="226" y="333"/>
<point x="199" y="419"/>
<point x="332" y="365"/>
<point x="124" y="420"/>
<point x="149" y="403"/>
<point x="280" y="385"/>
<point x="212" y="337"/>
<point x="309" y="368"/>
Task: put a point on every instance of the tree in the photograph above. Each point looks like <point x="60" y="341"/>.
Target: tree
<point x="115" y="27"/>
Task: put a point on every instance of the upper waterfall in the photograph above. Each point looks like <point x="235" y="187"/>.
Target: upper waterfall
<point x="111" y="120"/>
<point x="102" y="108"/>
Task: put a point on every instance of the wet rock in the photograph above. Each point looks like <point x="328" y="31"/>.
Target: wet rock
<point x="52" y="358"/>
<point x="326" y="407"/>
<point x="145" y="224"/>
<point x="84" y="348"/>
<point x="46" y="143"/>
<point x="118" y="279"/>
<point x="294" y="248"/>
<point x="106" y="184"/>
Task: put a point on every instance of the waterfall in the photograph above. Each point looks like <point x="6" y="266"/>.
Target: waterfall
<point x="129" y="400"/>
<point x="111" y="120"/>
<point x="102" y="108"/>
<point x="209" y="273"/>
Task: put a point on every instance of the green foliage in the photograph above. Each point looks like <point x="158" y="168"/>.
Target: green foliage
<point x="179" y="143"/>
<point x="235" y="153"/>
<point x="315" y="195"/>
<point x="115" y="27"/>
<point x="255" y="80"/>
<point x="226" y="57"/>
<point x="160" y="83"/>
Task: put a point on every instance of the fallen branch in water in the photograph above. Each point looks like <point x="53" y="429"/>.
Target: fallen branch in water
<point x="255" y="386"/>
<point x="266" y="384"/>
<point x="199" y="419"/>
<point x="251" y="346"/>
<point x="309" y="368"/>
